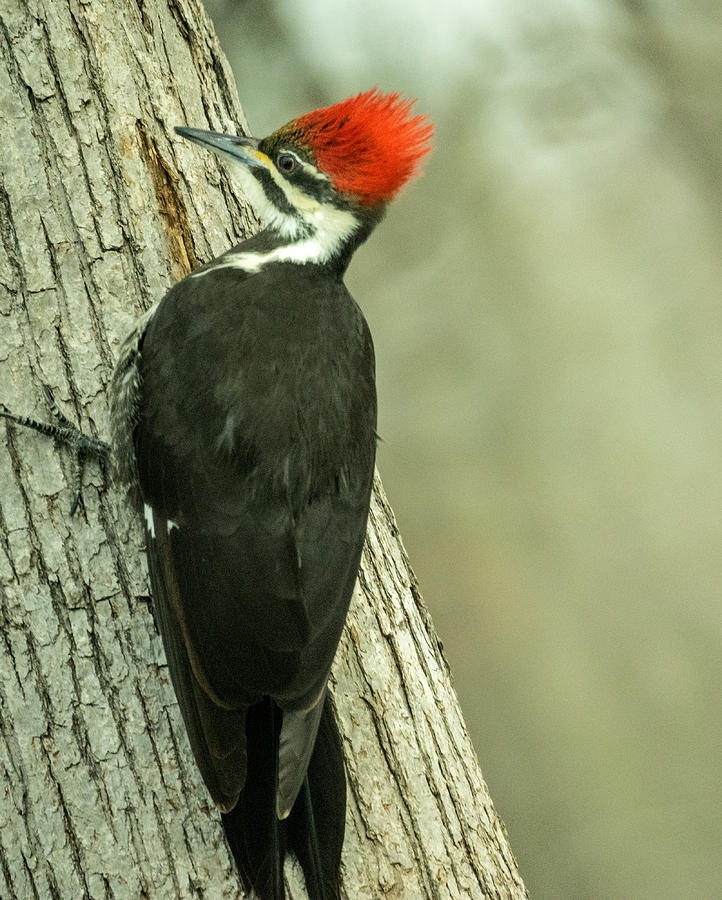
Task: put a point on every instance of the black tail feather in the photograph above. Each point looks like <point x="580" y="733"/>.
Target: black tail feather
<point x="314" y="829"/>
<point x="255" y="836"/>
<point x="318" y="818"/>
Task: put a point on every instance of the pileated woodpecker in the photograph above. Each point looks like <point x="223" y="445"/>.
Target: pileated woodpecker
<point x="244" y="411"/>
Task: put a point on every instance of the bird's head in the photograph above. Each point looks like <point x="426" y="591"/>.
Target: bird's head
<point x="328" y="175"/>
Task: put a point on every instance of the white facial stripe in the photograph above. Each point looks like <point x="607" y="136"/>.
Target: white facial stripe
<point x="312" y="170"/>
<point x="331" y="224"/>
<point x="306" y="166"/>
<point x="287" y="226"/>
<point x="297" y="197"/>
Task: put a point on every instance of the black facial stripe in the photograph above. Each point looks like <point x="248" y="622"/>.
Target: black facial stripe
<point x="321" y="189"/>
<point x="274" y="193"/>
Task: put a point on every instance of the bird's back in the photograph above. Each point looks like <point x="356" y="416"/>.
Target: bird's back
<point x="257" y="439"/>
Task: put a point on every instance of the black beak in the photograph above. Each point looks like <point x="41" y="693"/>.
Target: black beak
<point x="239" y="149"/>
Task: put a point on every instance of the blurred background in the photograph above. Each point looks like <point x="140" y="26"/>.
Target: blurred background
<point x="546" y="309"/>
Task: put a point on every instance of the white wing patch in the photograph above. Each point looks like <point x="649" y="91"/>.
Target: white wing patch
<point x="149" y="516"/>
<point x="149" y="520"/>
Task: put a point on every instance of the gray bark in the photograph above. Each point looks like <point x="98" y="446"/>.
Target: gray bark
<point x="101" y="209"/>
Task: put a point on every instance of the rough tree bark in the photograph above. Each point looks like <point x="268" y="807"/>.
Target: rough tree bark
<point x="101" y="209"/>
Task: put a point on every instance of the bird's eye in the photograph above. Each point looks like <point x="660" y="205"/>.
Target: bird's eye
<point x="286" y="162"/>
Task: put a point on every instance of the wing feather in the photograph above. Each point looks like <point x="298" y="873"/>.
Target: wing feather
<point x="216" y="734"/>
<point x="258" y="467"/>
<point x="298" y="736"/>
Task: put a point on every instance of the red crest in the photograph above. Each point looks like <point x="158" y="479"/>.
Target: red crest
<point x="370" y="145"/>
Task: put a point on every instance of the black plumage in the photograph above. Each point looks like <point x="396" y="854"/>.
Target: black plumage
<point x="254" y="446"/>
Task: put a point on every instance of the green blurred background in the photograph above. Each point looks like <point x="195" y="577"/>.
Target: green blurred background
<point x="546" y="310"/>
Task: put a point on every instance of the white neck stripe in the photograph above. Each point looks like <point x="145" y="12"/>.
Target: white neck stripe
<point x="314" y="233"/>
<point x="301" y="252"/>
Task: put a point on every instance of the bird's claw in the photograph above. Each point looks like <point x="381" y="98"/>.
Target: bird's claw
<point x="81" y="445"/>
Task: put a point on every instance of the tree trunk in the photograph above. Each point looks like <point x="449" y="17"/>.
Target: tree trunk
<point x="102" y="209"/>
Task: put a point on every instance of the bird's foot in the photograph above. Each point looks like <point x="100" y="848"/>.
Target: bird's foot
<point x="80" y="445"/>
